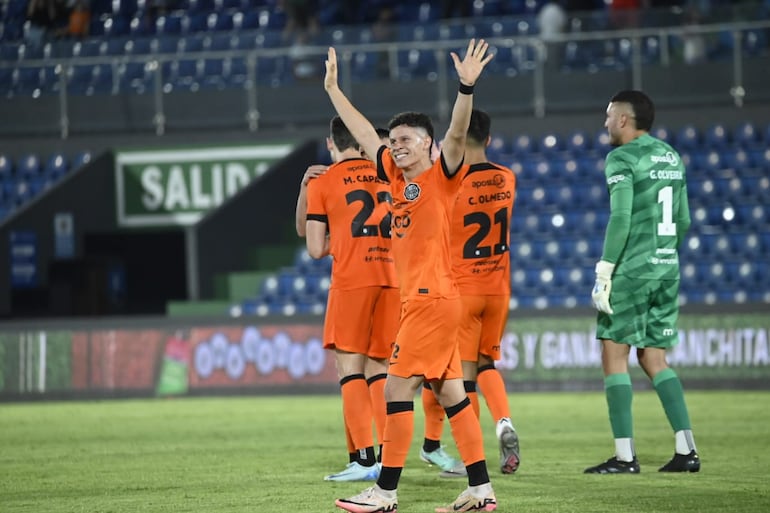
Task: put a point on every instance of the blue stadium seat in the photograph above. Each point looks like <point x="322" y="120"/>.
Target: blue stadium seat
<point x="566" y="170"/>
<point x="523" y="144"/>
<point x="135" y="77"/>
<point x="417" y="64"/>
<point x="577" y="143"/>
<point x="56" y="166"/>
<point x="550" y="144"/>
<point x="6" y="167"/>
<point x="79" y="78"/>
<point x="746" y="135"/>
<point x="220" y="21"/>
<point x="687" y="138"/>
<point x="213" y="74"/>
<point x="716" y="136"/>
<point x="103" y="79"/>
<point x="709" y="161"/>
<point x="169" y="24"/>
<point x="601" y="142"/>
<point x="191" y="43"/>
<point x="28" y="166"/>
<point x="27" y="79"/>
<point x="755" y="42"/>
<point x="735" y="158"/>
<point x="115" y="26"/>
<point x="661" y="133"/>
<point x="753" y="216"/>
<point x="760" y="157"/>
<point x="165" y="44"/>
<point x="80" y="159"/>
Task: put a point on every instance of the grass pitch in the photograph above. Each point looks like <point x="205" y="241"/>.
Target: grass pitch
<point x="269" y="454"/>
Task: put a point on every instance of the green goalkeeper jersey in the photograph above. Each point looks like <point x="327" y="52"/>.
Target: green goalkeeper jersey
<point x="649" y="213"/>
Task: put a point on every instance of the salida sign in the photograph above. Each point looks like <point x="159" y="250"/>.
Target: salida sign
<point x="177" y="187"/>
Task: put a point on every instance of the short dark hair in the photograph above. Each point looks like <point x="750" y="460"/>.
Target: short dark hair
<point x="414" y="120"/>
<point x="641" y="104"/>
<point x="479" y="127"/>
<point x="382" y="133"/>
<point x="341" y="136"/>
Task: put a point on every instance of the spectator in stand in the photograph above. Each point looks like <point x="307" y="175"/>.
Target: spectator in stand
<point x="552" y="22"/>
<point x="624" y="13"/>
<point x="79" y="20"/>
<point x="43" y="17"/>
<point x="456" y="8"/>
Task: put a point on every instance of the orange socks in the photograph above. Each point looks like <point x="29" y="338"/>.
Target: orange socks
<point x="493" y="387"/>
<point x="434" y="414"/>
<point x="377" y="397"/>
<point x="357" y="410"/>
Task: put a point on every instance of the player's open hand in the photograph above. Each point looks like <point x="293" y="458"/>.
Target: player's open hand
<point x="469" y="69"/>
<point x="330" y="80"/>
<point x="313" y="171"/>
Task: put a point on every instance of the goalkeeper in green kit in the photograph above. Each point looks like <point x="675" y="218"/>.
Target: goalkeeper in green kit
<point x="637" y="278"/>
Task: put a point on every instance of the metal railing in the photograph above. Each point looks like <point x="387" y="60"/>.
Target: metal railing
<point x="528" y="58"/>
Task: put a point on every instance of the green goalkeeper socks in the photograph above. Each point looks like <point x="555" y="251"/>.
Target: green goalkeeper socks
<point x="671" y="395"/>
<point x="617" y="388"/>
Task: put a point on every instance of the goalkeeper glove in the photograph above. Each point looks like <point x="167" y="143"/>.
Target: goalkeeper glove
<point x="600" y="296"/>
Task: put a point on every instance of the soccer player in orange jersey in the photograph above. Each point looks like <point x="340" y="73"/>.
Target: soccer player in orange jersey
<point x="348" y="216"/>
<point x="481" y="265"/>
<point x="426" y="346"/>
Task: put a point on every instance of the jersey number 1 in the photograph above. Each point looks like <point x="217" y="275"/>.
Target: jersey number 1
<point x="666" y="197"/>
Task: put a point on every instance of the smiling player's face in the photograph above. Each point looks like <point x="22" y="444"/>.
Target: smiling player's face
<point x="408" y="145"/>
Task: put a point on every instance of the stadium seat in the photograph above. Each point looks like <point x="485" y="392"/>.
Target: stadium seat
<point x="735" y="158"/>
<point x="6" y="167"/>
<point x="746" y="135"/>
<point x="191" y="43"/>
<point x="213" y="74"/>
<point x="80" y="159"/>
<point x="417" y="64"/>
<point x="687" y="138"/>
<point x="716" y="137"/>
<point x="220" y="21"/>
<point x="56" y="166"/>
<point x="523" y="144"/>
<point x="578" y="143"/>
<point x="661" y="133"/>
<point x="168" y="24"/>
<point x="28" y="166"/>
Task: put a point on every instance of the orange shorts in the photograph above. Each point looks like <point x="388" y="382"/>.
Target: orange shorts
<point x="426" y="344"/>
<point x="482" y="323"/>
<point x="362" y="321"/>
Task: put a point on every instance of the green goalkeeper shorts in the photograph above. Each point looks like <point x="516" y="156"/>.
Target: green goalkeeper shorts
<point x="645" y="313"/>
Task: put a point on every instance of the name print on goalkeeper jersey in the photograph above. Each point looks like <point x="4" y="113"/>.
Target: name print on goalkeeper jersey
<point x="356" y="206"/>
<point x="646" y="178"/>
<point x="480" y="231"/>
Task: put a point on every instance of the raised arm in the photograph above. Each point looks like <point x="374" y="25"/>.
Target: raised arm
<point x="468" y="70"/>
<point x="360" y="127"/>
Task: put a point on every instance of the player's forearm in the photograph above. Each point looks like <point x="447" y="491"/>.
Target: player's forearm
<point x="360" y="127"/>
<point x="300" y="214"/>
<point x="453" y="146"/>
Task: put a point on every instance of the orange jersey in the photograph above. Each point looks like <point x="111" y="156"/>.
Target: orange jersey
<point x="481" y="237"/>
<point x="420" y="228"/>
<point x="355" y="205"/>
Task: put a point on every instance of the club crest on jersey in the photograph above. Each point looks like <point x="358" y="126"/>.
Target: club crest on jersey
<point x="412" y="191"/>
